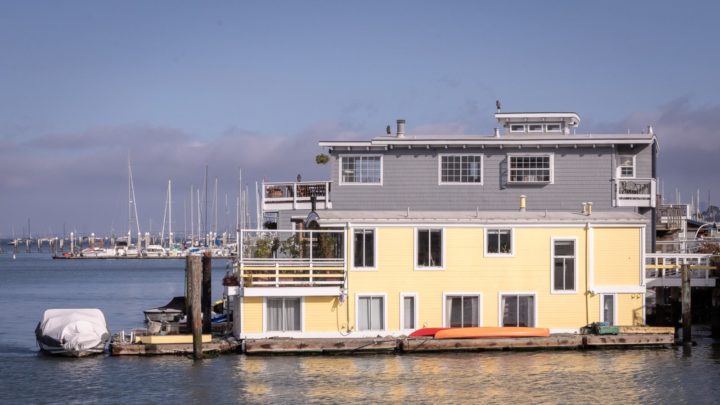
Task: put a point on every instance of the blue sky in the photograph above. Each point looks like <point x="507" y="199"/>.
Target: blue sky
<point x="178" y="85"/>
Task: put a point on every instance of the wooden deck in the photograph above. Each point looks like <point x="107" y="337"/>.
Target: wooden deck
<point x="280" y="346"/>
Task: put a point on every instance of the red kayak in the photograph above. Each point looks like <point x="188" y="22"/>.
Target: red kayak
<point x="426" y="332"/>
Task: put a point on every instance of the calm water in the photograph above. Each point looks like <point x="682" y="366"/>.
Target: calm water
<point x="122" y="290"/>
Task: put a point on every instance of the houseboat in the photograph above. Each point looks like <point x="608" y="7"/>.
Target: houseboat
<point x="533" y="225"/>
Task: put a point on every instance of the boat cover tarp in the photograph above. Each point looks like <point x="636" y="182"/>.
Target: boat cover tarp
<point x="75" y="330"/>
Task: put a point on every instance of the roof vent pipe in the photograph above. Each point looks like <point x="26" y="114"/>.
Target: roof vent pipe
<point x="650" y="130"/>
<point x="584" y="208"/>
<point x="497" y="132"/>
<point x="400" y="128"/>
<point x="589" y="208"/>
<point x="522" y="203"/>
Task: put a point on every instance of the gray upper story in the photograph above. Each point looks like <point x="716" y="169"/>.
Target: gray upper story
<point x="536" y="155"/>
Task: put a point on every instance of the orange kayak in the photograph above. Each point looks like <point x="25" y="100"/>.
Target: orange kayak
<point x="491" y="332"/>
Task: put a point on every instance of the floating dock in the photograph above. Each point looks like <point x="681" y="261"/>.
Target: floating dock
<point x="216" y="345"/>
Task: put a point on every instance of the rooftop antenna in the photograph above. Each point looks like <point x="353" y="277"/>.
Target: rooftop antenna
<point x="497" y="105"/>
<point x="387" y="130"/>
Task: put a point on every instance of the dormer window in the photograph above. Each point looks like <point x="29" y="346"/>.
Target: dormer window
<point x="517" y="128"/>
<point x="535" y="128"/>
<point x="552" y="128"/>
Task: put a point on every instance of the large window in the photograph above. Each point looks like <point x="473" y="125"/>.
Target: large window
<point x="408" y="311"/>
<point x="429" y="248"/>
<point x="563" y="265"/>
<point x="626" y="166"/>
<point x="499" y="242"/>
<point x="530" y="168"/>
<point x="364" y="248"/>
<point x="371" y="313"/>
<point x="361" y="169"/>
<point x="462" y="311"/>
<point x="283" y="314"/>
<point x="461" y="169"/>
<point x="518" y="310"/>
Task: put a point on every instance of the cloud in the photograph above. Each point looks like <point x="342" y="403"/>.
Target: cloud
<point x="689" y="146"/>
<point x="81" y="179"/>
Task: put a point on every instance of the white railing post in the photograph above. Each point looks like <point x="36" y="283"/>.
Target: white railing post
<point x="311" y="274"/>
<point x="277" y="273"/>
<point x="295" y="194"/>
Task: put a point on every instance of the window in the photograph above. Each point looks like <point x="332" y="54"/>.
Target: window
<point x="361" y="169"/>
<point x="626" y="166"/>
<point x="518" y="310"/>
<point x="517" y="128"/>
<point x="535" y="128"/>
<point x="461" y="169"/>
<point x="499" y="242"/>
<point x="371" y="313"/>
<point x="607" y="308"/>
<point x="563" y="273"/>
<point x="552" y="128"/>
<point x="408" y="311"/>
<point x="364" y="248"/>
<point x="283" y="314"/>
<point x="429" y="248"/>
<point x="530" y="169"/>
<point x="462" y="311"/>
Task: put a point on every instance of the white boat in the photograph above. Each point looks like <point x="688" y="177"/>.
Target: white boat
<point x="173" y="311"/>
<point x="72" y="332"/>
<point x="155" y="251"/>
<point x="97" y="252"/>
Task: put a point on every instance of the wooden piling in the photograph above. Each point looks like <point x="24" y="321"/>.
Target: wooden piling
<point x="686" y="305"/>
<point x="193" y="277"/>
<point x="207" y="292"/>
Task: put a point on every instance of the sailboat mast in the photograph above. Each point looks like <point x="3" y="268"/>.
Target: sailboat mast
<point x="170" y="234"/>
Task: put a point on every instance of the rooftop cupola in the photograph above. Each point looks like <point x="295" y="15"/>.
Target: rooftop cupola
<point x="536" y="123"/>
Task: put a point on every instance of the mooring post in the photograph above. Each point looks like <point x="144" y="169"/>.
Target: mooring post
<point x="686" y="311"/>
<point x="193" y="276"/>
<point x="207" y="292"/>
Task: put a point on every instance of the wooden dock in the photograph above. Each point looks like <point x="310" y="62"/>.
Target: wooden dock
<point x="217" y="345"/>
<point x="389" y="344"/>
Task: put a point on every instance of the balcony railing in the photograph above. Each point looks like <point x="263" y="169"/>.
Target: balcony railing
<point x="296" y="195"/>
<point x="665" y="269"/>
<point x="277" y="259"/>
<point x="634" y="192"/>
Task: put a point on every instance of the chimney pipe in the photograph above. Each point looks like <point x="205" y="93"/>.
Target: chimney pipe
<point x="522" y="203"/>
<point x="497" y="132"/>
<point x="589" y="208"/>
<point x="584" y="208"/>
<point x="400" y="128"/>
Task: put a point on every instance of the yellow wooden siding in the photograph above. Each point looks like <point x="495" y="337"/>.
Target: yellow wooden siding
<point x="468" y="270"/>
<point x="617" y="256"/>
<point x="252" y="314"/>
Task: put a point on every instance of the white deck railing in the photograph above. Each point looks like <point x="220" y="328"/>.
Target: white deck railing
<point x="634" y="192"/>
<point x="669" y="265"/>
<point x="296" y="195"/>
<point x="291" y="259"/>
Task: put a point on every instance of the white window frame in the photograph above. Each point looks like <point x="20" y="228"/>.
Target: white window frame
<point x="375" y="248"/>
<point x="518" y="293"/>
<point x="445" y="321"/>
<point x="357" y="311"/>
<point x="340" y="170"/>
<point x="550" y="156"/>
<point x="289" y="332"/>
<point x="542" y="128"/>
<point x="512" y="242"/>
<point x="559" y="127"/>
<point x="618" y="168"/>
<point x="451" y="183"/>
<point x="510" y="127"/>
<point x="552" y="263"/>
<point x="442" y="250"/>
<point x="416" y="319"/>
<point x="602" y="312"/>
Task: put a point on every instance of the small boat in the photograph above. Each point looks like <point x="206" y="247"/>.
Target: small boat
<point x="155" y="251"/>
<point x="72" y="332"/>
<point x="491" y="332"/>
<point x="173" y="311"/>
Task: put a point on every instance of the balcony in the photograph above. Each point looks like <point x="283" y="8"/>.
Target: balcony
<point x="291" y="263"/>
<point x="634" y="192"/>
<point x="665" y="269"/>
<point x="295" y="195"/>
